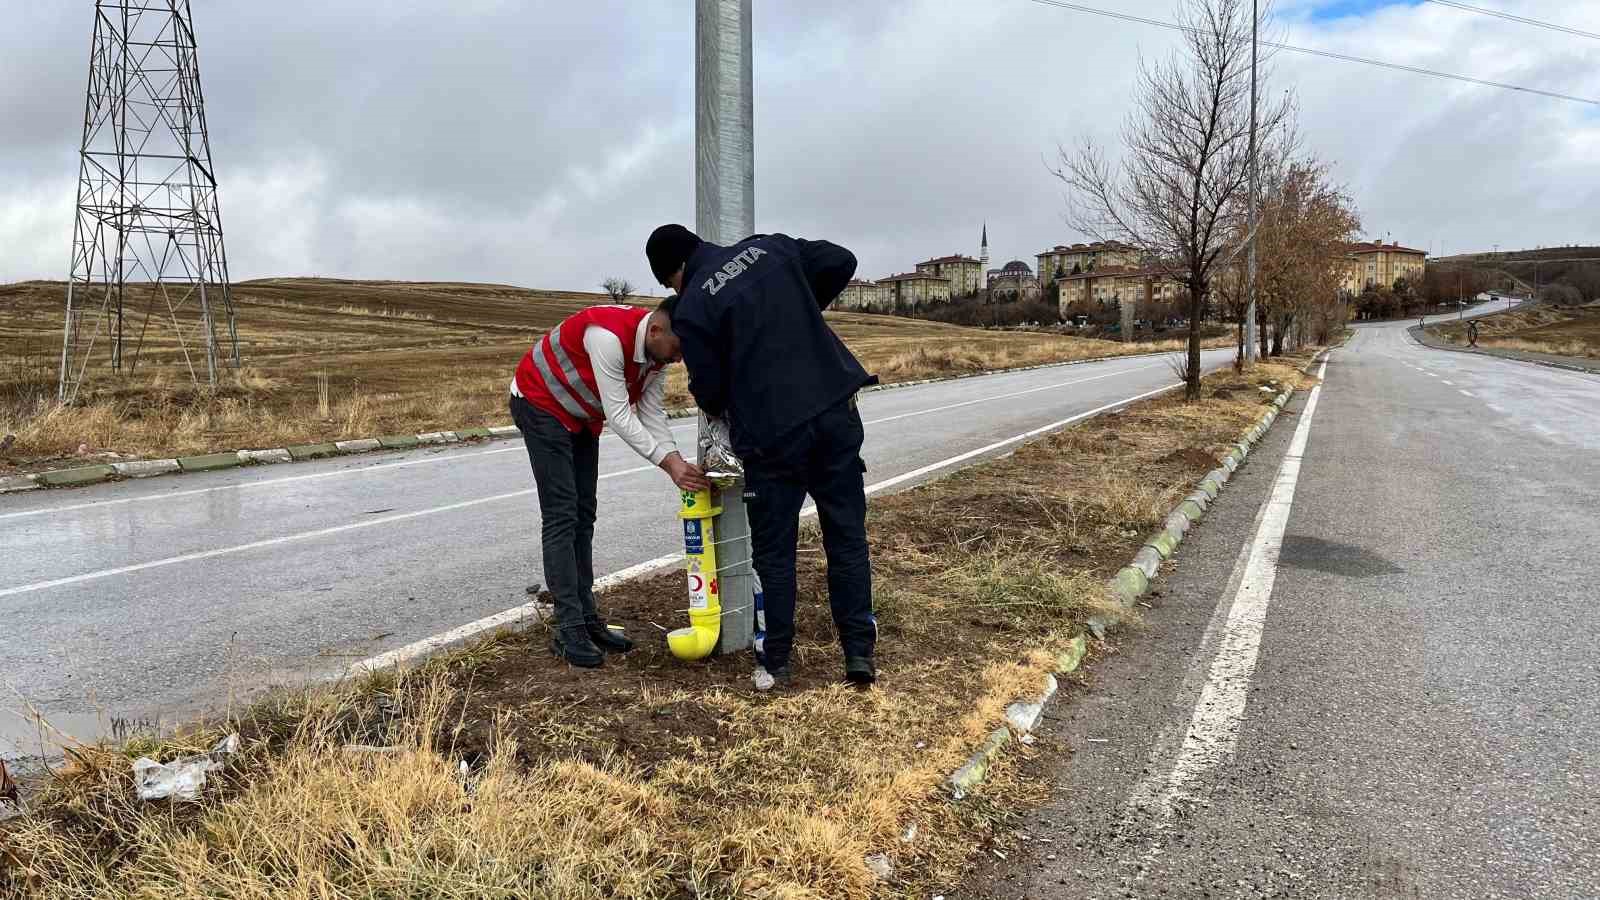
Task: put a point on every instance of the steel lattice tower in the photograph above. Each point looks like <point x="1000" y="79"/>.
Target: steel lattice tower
<point x="147" y="245"/>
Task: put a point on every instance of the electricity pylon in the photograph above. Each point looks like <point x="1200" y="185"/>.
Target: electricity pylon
<point x="148" y="231"/>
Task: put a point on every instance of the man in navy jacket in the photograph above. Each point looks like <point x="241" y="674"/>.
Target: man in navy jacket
<point x="749" y="320"/>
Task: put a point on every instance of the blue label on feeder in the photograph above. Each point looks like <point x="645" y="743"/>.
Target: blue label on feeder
<point x="693" y="542"/>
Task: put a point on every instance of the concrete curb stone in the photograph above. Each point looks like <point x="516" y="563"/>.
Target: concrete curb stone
<point x="265" y="456"/>
<point x="312" y="451"/>
<point x="209" y="462"/>
<point x="76" y="476"/>
<point x="146" y="468"/>
<point x="399" y="441"/>
<point x="357" y="446"/>
<point x="1130" y="583"/>
<point x="1022" y="718"/>
<point x="14" y="483"/>
<point x="1147" y="561"/>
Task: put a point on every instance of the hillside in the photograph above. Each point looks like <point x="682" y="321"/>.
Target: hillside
<point x="395" y="357"/>
<point x="1576" y="266"/>
<point x="1557" y="331"/>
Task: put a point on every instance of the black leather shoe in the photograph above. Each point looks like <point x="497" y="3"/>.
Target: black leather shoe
<point x="574" y="646"/>
<point x="860" y="670"/>
<point x="610" y="640"/>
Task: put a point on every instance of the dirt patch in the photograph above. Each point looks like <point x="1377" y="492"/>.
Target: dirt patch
<point x="1192" y="458"/>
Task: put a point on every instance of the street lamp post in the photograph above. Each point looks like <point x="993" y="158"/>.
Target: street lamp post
<point x="724" y="149"/>
<point x="1250" y="341"/>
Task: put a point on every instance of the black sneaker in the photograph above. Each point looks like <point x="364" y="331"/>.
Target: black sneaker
<point x="574" y="646"/>
<point x="860" y="670"/>
<point x="608" y="639"/>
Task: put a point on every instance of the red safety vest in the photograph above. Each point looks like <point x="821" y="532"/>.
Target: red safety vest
<point x="556" y="375"/>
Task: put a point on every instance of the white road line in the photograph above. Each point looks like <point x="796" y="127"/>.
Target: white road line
<point x="1431" y="375"/>
<point x="273" y="482"/>
<point x="451" y="507"/>
<point x="1048" y="387"/>
<point x="419" y="649"/>
<point x="1466" y="393"/>
<point x="1449" y="382"/>
<point x="281" y="539"/>
<point x="1219" y="711"/>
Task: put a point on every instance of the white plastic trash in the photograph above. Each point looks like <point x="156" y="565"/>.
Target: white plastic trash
<point x="182" y="778"/>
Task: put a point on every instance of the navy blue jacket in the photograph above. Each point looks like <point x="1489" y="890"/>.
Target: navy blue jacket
<point x="749" y="318"/>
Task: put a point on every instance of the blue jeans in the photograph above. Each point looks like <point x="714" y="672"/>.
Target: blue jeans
<point x="823" y="459"/>
<point x="566" y="468"/>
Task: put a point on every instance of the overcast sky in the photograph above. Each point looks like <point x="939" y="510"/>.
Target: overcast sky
<point x="538" y="142"/>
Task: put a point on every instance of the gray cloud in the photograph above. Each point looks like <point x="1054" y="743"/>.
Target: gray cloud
<point x="538" y="142"/>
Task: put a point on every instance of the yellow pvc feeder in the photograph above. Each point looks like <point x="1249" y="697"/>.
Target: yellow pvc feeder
<point x="700" y="565"/>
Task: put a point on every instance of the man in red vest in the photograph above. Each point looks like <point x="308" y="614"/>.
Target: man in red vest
<point x="603" y="364"/>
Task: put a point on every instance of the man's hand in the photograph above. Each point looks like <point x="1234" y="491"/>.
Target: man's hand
<point x="686" y="475"/>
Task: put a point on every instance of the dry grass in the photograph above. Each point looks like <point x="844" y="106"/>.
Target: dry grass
<point x="1554" y="348"/>
<point x="1559" y="331"/>
<point x="389" y="357"/>
<point x="652" y="778"/>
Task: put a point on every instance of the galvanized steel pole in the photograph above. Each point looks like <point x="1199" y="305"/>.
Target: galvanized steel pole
<point x="1251" y="349"/>
<point x="724" y="182"/>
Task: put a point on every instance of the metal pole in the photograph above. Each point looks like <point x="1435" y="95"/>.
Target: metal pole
<point x="1251" y="350"/>
<point x="724" y="144"/>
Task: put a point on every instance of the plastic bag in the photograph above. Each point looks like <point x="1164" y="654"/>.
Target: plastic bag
<point x="717" y="458"/>
<point x="181" y="778"/>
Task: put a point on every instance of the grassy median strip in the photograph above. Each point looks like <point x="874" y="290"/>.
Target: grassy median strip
<point x="496" y="772"/>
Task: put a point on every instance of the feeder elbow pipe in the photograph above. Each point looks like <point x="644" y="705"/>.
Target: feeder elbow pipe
<point x="700" y="565"/>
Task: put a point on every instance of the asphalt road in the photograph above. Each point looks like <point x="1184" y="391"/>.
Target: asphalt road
<point x="152" y="598"/>
<point x="1419" y="716"/>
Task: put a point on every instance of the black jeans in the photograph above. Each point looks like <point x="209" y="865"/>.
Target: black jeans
<point x="823" y="459"/>
<point x="566" y="468"/>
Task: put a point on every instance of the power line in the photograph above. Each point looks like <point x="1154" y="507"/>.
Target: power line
<point x="1329" y="54"/>
<point x="1537" y="23"/>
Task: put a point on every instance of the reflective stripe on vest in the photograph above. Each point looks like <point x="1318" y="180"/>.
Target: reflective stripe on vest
<point x="571" y="371"/>
<point x="554" y="386"/>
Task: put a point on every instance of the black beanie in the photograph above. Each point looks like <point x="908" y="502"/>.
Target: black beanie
<point x="668" y="248"/>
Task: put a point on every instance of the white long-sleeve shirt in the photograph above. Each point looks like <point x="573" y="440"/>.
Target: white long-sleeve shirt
<point x="643" y="428"/>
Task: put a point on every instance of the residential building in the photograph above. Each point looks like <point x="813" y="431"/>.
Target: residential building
<point x="1110" y="286"/>
<point x="915" y="290"/>
<point x="864" y="296"/>
<point x="1063" y="260"/>
<point x="1376" y="264"/>
<point x="1013" y="281"/>
<point x="964" y="273"/>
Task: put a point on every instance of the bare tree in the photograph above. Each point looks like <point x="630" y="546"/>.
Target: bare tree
<point x="1180" y="192"/>
<point x="618" y="288"/>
